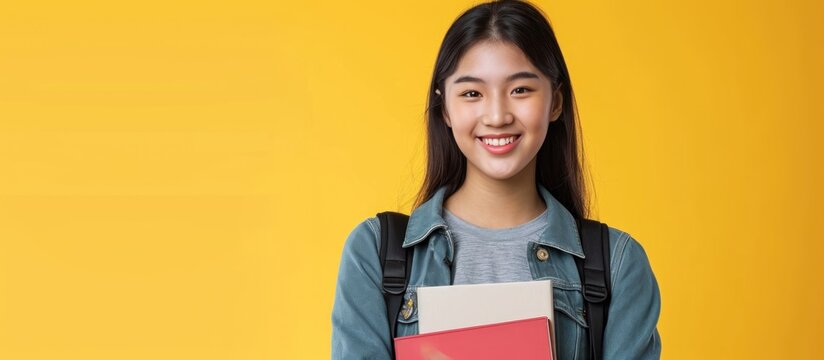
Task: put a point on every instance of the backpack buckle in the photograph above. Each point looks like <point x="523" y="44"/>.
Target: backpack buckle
<point x="594" y="293"/>
<point x="595" y="288"/>
<point x="394" y="277"/>
<point x="394" y="285"/>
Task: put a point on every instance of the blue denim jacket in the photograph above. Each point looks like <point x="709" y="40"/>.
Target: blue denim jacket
<point x="360" y="329"/>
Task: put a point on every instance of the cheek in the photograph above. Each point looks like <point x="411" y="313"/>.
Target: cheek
<point x="534" y="116"/>
<point x="532" y="111"/>
<point x="462" y="112"/>
<point x="463" y="127"/>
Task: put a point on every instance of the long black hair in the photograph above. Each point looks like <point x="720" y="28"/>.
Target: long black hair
<point x="559" y="166"/>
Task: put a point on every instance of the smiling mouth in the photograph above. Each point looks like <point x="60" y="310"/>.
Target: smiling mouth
<point x="499" y="141"/>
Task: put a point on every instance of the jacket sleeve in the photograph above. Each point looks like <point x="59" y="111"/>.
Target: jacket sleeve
<point x="360" y="328"/>
<point x="631" y="331"/>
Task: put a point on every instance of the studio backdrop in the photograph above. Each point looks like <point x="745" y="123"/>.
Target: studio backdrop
<point x="177" y="179"/>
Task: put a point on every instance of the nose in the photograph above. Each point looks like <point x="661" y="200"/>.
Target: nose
<point x="497" y="112"/>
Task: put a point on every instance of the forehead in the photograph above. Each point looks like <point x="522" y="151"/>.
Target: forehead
<point x="493" y="60"/>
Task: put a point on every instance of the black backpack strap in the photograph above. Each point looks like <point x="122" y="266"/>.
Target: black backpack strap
<point x="396" y="263"/>
<point x="594" y="272"/>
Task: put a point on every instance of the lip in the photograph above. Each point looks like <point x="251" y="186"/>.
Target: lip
<point x="499" y="150"/>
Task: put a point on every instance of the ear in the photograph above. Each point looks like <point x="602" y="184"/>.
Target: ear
<point x="557" y="104"/>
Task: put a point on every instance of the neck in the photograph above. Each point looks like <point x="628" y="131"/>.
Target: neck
<point x="493" y="203"/>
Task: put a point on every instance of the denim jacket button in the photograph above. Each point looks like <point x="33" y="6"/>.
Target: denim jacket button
<point x="542" y="254"/>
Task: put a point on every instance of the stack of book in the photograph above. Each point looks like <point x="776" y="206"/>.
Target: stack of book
<point x="485" y="321"/>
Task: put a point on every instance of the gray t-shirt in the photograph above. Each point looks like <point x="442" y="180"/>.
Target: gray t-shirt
<point x="484" y="255"/>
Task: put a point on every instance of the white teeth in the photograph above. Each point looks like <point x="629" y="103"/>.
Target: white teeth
<point x="498" y="142"/>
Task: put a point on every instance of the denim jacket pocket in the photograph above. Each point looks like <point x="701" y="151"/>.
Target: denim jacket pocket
<point x="571" y="339"/>
<point x="408" y="314"/>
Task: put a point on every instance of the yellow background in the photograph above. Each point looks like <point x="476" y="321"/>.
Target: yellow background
<point x="177" y="178"/>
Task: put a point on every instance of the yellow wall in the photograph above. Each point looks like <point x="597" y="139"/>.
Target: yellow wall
<point x="177" y="179"/>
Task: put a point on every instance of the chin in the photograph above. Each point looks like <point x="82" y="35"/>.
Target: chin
<point x="501" y="174"/>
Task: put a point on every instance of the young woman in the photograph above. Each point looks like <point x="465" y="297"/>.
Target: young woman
<point x="503" y="187"/>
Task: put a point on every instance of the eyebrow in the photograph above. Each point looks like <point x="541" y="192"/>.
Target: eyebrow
<point x="515" y="76"/>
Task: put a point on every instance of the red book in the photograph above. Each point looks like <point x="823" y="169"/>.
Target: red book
<point x="526" y="339"/>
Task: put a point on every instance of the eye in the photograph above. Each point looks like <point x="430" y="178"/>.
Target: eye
<point x="518" y="90"/>
<point x="471" y="93"/>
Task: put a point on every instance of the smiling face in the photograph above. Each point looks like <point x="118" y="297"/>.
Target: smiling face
<point x="499" y="107"/>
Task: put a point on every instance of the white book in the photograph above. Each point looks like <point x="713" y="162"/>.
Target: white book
<point x="458" y="306"/>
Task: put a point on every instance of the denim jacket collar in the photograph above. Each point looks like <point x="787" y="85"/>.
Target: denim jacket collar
<point x="561" y="232"/>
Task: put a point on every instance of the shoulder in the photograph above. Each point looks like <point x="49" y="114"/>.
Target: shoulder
<point x="627" y="255"/>
<point x="364" y="238"/>
<point x="360" y="260"/>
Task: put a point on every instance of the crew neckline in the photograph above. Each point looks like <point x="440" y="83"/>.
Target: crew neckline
<point x="527" y="226"/>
